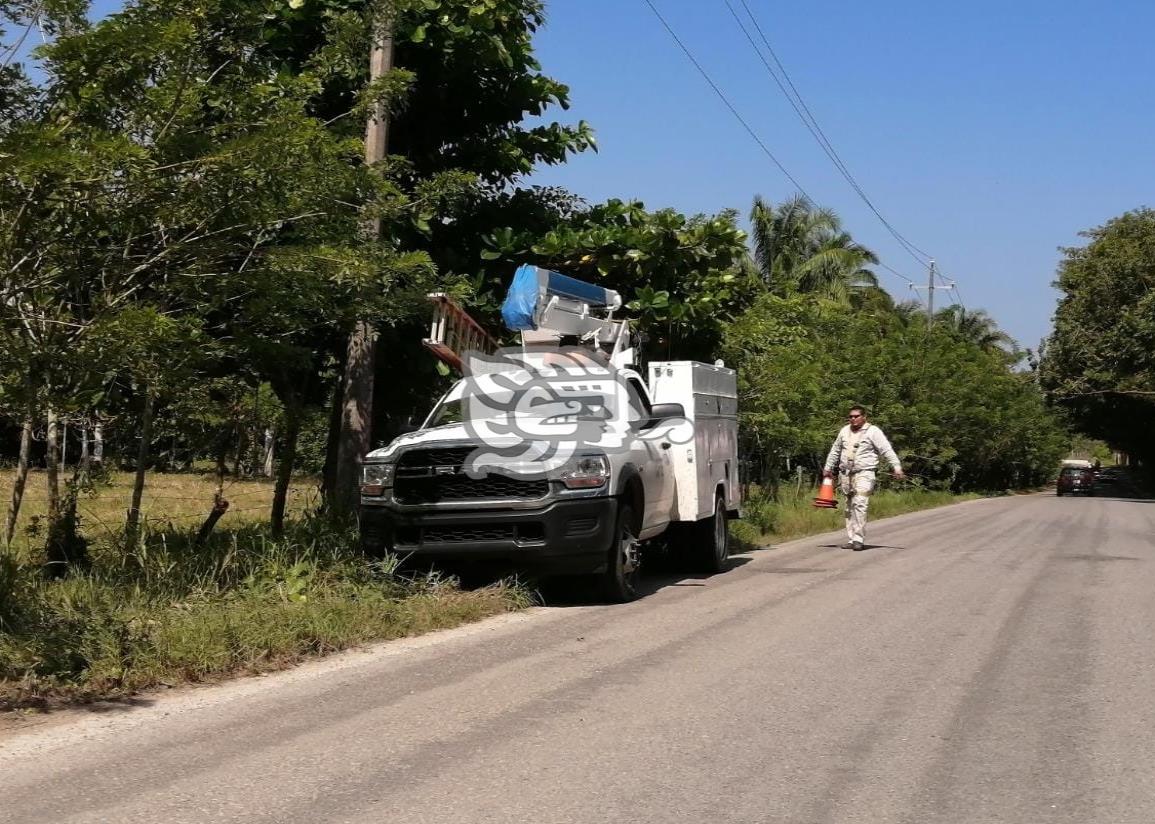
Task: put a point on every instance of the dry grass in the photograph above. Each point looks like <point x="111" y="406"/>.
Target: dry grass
<point x="171" y="502"/>
<point x="168" y="610"/>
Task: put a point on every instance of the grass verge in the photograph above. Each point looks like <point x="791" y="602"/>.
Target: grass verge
<point x="790" y="514"/>
<point x="168" y="612"/>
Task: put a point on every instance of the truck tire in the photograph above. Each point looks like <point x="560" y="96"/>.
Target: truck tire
<point x="619" y="582"/>
<point x="711" y="537"/>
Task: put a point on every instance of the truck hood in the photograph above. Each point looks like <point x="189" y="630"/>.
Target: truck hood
<point x="507" y="454"/>
<point x="449" y="435"/>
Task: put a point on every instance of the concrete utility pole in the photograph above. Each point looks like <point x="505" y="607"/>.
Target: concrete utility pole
<point x="930" y="297"/>
<point x="357" y="383"/>
<point x="930" y="287"/>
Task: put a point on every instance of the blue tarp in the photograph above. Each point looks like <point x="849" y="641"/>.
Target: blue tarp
<point x="579" y="290"/>
<point x="521" y="300"/>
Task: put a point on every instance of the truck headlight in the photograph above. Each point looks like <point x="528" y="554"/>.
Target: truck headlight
<point x="376" y="478"/>
<point x="585" y="472"/>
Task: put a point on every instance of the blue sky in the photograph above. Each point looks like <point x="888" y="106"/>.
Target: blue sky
<point x="988" y="133"/>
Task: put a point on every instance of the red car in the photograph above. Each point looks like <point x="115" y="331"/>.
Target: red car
<point x="1073" y="481"/>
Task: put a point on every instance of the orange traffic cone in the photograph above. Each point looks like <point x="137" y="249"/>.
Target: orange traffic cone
<point x="825" y="499"/>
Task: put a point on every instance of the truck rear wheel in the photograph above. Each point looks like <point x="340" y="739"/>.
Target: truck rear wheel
<point x="711" y="548"/>
<point x="619" y="582"/>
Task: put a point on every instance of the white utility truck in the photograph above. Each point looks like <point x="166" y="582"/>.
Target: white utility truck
<point x="557" y="456"/>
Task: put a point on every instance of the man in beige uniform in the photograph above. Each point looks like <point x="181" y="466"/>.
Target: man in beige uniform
<point x="855" y="453"/>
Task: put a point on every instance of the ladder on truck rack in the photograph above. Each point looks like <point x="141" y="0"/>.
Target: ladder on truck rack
<point x="453" y="332"/>
<point x="548" y="309"/>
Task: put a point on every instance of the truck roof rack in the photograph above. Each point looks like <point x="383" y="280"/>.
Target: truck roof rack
<point x="549" y="308"/>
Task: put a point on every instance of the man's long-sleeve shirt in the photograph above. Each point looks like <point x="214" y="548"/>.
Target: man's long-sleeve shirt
<point x="871" y="443"/>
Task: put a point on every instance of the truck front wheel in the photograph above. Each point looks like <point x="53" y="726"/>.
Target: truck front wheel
<point x="623" y="571"/>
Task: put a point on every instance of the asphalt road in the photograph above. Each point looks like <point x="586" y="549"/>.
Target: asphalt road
<point x="987" y="662"/>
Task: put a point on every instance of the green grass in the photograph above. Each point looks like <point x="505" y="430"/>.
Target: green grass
<point x="790" y="514"/>
<point x="167" y="612"/>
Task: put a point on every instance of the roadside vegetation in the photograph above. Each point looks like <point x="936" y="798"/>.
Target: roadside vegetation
<point x="786" y="514"/>
<point x="187" y="289"/>
<point x="169" y="611"/>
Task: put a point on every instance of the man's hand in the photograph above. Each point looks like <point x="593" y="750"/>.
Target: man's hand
<point x="826" y="473"/>
<point x="900" y="475"/>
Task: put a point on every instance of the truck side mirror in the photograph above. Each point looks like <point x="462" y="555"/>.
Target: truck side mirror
<point x="665" y="411"/>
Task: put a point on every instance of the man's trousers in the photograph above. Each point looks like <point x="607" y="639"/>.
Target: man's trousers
<point x="857" y="486"/>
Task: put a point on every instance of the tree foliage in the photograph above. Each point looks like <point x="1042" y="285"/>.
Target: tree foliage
<point x="1099" y="362"/>
<point x="958" y="414"/>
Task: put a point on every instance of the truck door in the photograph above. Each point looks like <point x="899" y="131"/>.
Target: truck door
<point x="655" y="461"/>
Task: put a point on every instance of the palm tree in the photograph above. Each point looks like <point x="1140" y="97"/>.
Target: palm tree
<point x="979" y="328"/>
<point x="802" y="248"/>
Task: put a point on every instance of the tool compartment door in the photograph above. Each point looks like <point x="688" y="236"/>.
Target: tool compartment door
<point x="708" y="457"/>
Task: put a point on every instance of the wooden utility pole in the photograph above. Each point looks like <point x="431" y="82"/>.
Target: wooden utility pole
<point x="357" y="383"/>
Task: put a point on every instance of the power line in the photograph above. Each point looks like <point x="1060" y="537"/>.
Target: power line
<point x="749" y="130"/>
<point x="815" y="129"/>
<point x="895" y="272"/>
<point x="726" y="100"/>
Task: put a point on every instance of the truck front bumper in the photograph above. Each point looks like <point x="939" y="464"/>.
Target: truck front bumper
<point x="562" y="537"/>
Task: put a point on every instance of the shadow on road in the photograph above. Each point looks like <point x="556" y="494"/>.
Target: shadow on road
<point x="865" y="548"/>
<point x="658" y="574"/>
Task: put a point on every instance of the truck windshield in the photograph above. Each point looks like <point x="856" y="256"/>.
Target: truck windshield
<point x="544" y="403"/>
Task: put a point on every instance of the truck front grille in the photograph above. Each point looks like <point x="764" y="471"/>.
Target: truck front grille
<point x="469" y="534"/>
<point x="427" y="476"/>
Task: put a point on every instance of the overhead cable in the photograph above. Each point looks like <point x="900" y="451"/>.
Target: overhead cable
<point x="798" y="103"/>
<point x="745" y="124"/>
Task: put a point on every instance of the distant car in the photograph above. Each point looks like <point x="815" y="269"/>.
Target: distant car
<point x="1075" y="481"/>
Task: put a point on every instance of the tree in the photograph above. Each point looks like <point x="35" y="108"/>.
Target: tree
<point x="681" y="277"/>
<point x="472" y="82"/>
<point x="802" y="248"/>
<point x="170" y="164"/>
<point x="957" y="413"/>
<point x="977" y="327"/>
<point x="1099" y="362"/>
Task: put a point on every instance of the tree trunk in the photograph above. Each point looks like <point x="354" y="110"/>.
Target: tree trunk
<point x="98" y="443"/>
<point x="357" y="390"/>
<point x="267" y="461"/>
<point x="356" y="417"/>
<point x="85" y="453"/>
<point x="332" y="441"/>
<point x="294" y="412"/>
<point x="220" y="507"/>
<point x="241" y="445"/>
<point x="65" y="548"/>
<point x="132" y="527"/>
<point x="222" y="462"/>
<point x="52" y="461"/>
<point x="19" y="482"/>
